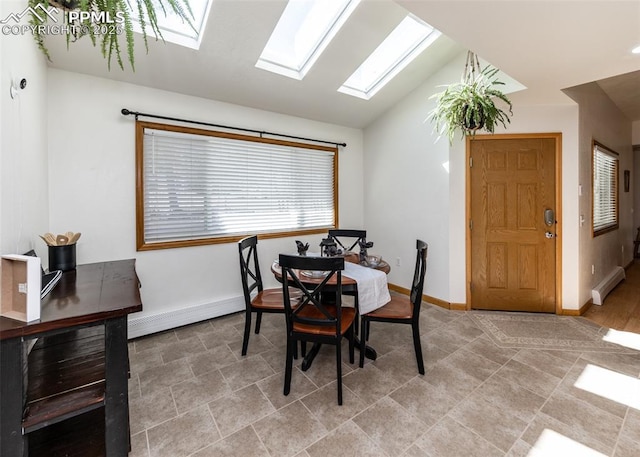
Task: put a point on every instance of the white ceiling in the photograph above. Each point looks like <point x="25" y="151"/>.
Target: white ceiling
<point x="545" y="45"/>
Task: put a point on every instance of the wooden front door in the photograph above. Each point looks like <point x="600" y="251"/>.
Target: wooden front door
<point x="513" y="245"/>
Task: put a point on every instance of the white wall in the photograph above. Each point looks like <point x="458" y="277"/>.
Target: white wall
<point x="601" y="120"/>
<point x="409" y="194"/>
<point x="92" y="185"/>
<point x="23" y="134"/>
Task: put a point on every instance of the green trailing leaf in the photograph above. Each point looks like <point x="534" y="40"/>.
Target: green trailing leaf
<point x="103" y="29"/>
<point x="469" y="106"/>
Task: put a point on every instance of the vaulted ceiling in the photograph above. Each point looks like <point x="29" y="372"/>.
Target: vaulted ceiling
<point x="547" y="46"/>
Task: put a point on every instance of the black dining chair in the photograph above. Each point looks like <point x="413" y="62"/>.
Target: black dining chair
<point x="402" y="309"/>
<point x="264" y="300"/>
<point x="340" y="236"/>
<point x="312" y="320"/>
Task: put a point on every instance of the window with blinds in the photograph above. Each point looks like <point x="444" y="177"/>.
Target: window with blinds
<point x="605" y="189"/>
<point x="201" y="187"/>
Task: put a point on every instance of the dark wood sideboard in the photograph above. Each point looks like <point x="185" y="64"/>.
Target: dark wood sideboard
<point x="68" y="395"/>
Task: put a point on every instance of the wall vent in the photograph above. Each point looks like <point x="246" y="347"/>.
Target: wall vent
<point x="605" y="286"/>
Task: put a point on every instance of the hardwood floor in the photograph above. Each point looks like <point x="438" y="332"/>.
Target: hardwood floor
<point x="621" y="308"/>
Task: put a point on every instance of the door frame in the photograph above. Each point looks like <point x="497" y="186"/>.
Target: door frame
<point x="558" y="203"/>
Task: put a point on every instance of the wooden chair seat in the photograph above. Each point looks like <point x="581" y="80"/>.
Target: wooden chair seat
<point x="348" y="316"/>
<point x="272" y="299"/>
<point x="400" y="307"/>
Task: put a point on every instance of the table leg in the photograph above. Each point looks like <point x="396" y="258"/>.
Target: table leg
<point x="12" y="388"/>
<point x="308" y="359"/>
<point x="369" y="352"/>
<point x="117" y="398"/>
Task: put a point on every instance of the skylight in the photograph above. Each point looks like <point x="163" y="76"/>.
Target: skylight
<point x="402" y="45"/>
<point x="304" y="30"/>
<point x="174" y="29"/>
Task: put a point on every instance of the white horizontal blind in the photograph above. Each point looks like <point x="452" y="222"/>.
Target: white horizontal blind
<point x="200" y="186"/>
<point x="605" y="189"/>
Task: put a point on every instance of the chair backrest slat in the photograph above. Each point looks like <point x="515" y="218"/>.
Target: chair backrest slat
<point x="337" y="234"/>
<point x="417" y="285"/>
<point x="249" y="266"/>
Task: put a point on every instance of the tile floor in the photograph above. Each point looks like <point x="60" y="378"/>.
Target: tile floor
<point x="192" y="394"/>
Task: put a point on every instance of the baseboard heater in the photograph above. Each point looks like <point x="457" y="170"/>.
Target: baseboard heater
<point x="605" y="286"/>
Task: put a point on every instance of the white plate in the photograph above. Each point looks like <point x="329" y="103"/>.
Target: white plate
<point x="314" y="273"/>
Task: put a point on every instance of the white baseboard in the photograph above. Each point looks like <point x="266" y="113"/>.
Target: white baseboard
<point x="605" y="286"/>
<point x="146" y="325"/>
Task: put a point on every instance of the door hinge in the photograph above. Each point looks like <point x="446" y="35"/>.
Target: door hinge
<point x="470" y="224"/>
<point x="470" y="162"/>
<point x="470" y="286"/>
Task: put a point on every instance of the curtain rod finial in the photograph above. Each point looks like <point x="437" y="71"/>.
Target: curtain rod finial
<point x="125" y="112"/>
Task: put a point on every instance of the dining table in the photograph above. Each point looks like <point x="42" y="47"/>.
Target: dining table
<point x="358" y="278"/>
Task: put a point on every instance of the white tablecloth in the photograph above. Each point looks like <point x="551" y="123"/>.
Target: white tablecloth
<point x="373" y="291"/>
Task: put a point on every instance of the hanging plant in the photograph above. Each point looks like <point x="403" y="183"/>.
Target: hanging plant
<point x="105" y="21"/>
<point x="469" y="106"/>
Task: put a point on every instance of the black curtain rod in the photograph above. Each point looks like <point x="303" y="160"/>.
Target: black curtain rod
<point x="126" y="112"/>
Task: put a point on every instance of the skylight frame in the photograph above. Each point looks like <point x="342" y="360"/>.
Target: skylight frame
<point x="288" y="21"/>
<point x="403" y="58"/>
<point x="179" y="32"/>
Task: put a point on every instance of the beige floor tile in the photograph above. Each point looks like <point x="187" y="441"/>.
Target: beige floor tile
<point x="221" y="336"/>
<point x="139" y="446"/>
<point x="486" y="348"/>
<point x="490" y="421"/>
<point x="628" y="364"/>
<point x="541" y="424"/>
<point x="520" y="449"/>
<point x="189" y="331"/>
<point x="415" y="451"/>
<point x="449" y="438"/>
<point x="212" y="359"/>
<point x="151" y="409"/>
<point x="197" y="391"/>
<point x="527" y="376"/>
<point x="273" y="388"/>
<point x="511" y="397"/>
<point x="155" y="341"/>
<point x="575" y="383"/>
<point x="390" y="426"/>
<point x="370" y="384"/>
<point x="585" y="417"/>
<point x="464" y="329"/>
<point x="446" y="341"/>
<point x="183" y="435"/>
<point x="139" y="362"/>
<point x="627" y="448"/>
<point x="324" y="406"/>
<point x="246" y="371"/>
<point x="631" y="426"/>
<point x="164" y="376"/>
<point x="182" y="349"/>
<point x="424" y="401"/>
<point x="323" y="370"/>
<point x="289" y="430"/>
<point x="257" y="344"/>
<point x="473" y="364"/>
<point x="544" y="361"/>
<point x="450" y="380"/>
<point x="489" y="389"/>
<point x="349" y="439"/>
<point x="399" y="364"/>
<point x="243" y="443"/>
<point x="240" y="408"/>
